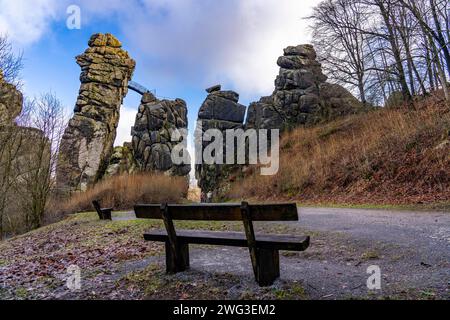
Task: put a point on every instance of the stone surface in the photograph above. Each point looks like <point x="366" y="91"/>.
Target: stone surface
<point x="221" y="110"/>
<point x="338" y="101"/>
<point x="152" y="134"/>
<point x="122" y="161"/>
<point x="87" y="144"/>
<point x="302" y="96"/>
<point x="11" y="101"/>
<point x="224" y="106"/>
<point x="214" y="88"/>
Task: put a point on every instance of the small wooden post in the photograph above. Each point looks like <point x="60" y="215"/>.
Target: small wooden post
<point x="97" y="207"/>
<point x="103" y="214"/>
<point x="107" y="214"/>
<point x="250" y="234"/>
<point x="269" y="266"/>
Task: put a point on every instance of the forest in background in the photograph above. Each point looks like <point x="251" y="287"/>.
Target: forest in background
<point x="384" y="51"/>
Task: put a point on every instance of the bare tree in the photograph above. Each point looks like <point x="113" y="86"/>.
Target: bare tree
<point x="11" y="142"/>
<point x="10" y="62"/>
<point x="37" y="179"/>
<point x="380" y="47"/>
<point x="436" y="31"/>
<point x="342" y="47"/>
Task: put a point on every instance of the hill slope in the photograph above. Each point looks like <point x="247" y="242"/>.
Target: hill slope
<point x="382" y="157"/>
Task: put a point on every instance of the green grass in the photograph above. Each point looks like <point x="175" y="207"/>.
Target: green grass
<point x="294" y="292"/>
<point x="370" y="255"/>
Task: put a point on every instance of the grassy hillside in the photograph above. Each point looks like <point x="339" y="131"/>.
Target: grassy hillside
<point x="383" y="157"/>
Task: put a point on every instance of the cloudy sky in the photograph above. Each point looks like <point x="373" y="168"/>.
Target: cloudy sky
<point x="181" y="46"/>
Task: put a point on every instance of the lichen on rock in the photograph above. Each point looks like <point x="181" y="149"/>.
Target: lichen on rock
<point x="122" y="161"/>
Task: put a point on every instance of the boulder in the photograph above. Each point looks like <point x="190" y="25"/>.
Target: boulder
<point x="304" y="50"/>
<point x="214" y="88"/>
<point x="222" y="105"/>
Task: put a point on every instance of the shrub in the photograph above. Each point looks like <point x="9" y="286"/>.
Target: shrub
<point x="123" y="192"/>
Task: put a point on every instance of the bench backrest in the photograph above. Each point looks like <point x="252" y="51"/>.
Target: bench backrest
<point x="220" y="212"/>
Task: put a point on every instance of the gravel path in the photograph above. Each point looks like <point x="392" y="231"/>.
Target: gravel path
<point x="428" y="231"/>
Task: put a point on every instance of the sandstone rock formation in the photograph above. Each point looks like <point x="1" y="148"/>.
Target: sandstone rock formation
<point x="301" y="96"/>
<point x="152" y="134"/>
<point x="88" y="141"/>
<point x="11" y="101"/>
<point x="122" y="161"/>
<point x="221" y="111"/>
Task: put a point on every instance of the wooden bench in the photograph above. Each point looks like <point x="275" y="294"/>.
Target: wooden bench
<point x="264" y="249"/>
<point x="103" y="213"/>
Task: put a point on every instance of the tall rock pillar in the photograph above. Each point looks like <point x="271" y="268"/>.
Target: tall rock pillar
<point x="88" y="141"/>
<point x="222" y="111"/>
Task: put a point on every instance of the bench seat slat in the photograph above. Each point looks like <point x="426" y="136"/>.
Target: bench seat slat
<point x="220" y="212"/>
<point x="233" y="239"/>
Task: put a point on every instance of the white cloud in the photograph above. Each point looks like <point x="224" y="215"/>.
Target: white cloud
<point x="25" y="21"/>
<point x="234" y="42"/>
<point x="127" y="118"/>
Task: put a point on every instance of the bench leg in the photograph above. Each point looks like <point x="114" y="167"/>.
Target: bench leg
<point x="174" y="265"/>
<point x="268" y="268"/>
<point x="107" y="215"/>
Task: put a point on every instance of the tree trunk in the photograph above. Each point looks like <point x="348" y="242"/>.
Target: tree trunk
<point x="440" y="71"/>
<point x="396" y="52"/>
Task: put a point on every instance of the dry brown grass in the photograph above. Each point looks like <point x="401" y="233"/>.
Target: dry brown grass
<point x="123" y="192"/>
<point x="386" y="156"/>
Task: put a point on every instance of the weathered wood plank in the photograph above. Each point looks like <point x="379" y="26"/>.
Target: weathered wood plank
<point x="220" y="212"/>
<point x="173" y="255"/>
<point x="250" y="235"/>
<point x="173" y="266"/>
<point x="233" y="239"/>
<point x="268" y="267"/>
